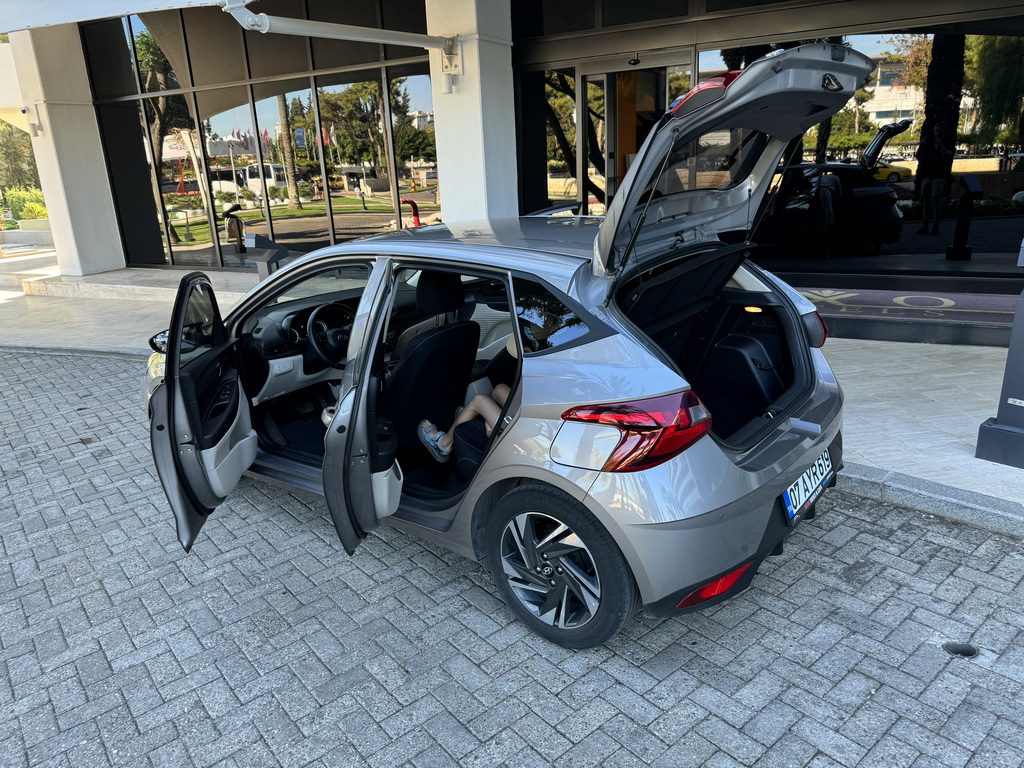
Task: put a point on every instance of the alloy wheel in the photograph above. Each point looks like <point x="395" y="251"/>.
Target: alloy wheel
<point x="550" y="570"/>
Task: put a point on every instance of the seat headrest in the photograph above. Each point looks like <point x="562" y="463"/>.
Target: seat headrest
<point x="438" y="293"/>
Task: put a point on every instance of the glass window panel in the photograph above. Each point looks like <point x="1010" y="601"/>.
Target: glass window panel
<point x="136" y="192"/>
<point x="200" y="328"/>
<point x="678" y="82"/>
<point x="614" y="12"/>
<point x="412" y="121"/>
<point x="232" y="147"/>
<point x="271" y="54"/>
<point x="343" y="53"/>
<point x="178" y="153"/>
<point x="639" y="103"/>
<point x="560" y="113"/>
<point x="214" y="46"/>
<point x="160" y="51"/>
<point x="544" y="320"/>
<point x="291" y="170"/>
<point x="360" y="191"/>
<point x="108" y="51"/>
<point x="716" y="160"/>
<point x="595" y="145"/>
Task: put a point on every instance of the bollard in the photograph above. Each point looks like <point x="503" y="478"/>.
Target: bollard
<point x="960" y="250"/>
<point x="415" y="211"/>
<point x="1002" y="439"/>
<point x="235" y="227"/>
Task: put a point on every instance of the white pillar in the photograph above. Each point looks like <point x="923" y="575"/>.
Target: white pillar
<point x="474" y="124"/>
<point x="66" y="141"/>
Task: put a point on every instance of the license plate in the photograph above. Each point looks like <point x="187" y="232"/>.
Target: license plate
<point x="808" y="487"/>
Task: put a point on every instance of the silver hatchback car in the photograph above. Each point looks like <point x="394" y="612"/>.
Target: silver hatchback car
<point x="670" y="415"/>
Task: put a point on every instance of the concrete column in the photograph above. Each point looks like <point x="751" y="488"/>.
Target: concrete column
<point x="66" y="140"/>
<point x="474" y="124"/>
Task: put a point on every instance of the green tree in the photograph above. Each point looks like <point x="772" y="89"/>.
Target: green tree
<point x="164" y="113"/>
<point x="17" y="162"/>
<point x="994" y="75"/>
<point x="935" y="64"/>
<point x="288" y="150"/>
<point x="944" y="91"/>
<point x="357" y="114"/>
<point x="912" y="52"/>
<point x="861" y="97"/>
<point x="560" y="107"/>
<point x="851" y="129"/>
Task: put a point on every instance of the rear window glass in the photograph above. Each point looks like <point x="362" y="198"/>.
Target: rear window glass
<point x="716" y="160"/>
<point x="545" y="321"/>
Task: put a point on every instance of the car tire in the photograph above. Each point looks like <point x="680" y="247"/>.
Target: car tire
<point x="558" y="568"/>
<point x="892" y="178"/>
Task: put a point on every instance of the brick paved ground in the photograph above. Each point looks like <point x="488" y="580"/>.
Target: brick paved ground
<point x="267" y="645"/>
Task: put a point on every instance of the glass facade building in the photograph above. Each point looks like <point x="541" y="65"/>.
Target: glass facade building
<point x="214" y="134"/>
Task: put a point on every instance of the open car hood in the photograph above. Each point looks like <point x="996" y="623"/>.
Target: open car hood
<point x="707" y="165"/>
<point x="870" y="157"/>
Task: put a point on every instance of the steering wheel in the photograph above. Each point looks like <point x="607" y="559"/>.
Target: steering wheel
<point x="328" y="330"/>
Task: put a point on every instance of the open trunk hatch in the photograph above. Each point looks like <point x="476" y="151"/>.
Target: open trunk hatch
<point x="707" y="165"/>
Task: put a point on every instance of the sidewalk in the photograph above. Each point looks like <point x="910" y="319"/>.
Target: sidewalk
<point x="911" y="419"/>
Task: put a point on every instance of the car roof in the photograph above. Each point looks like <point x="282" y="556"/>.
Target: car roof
<point x="569" y="236"/>
<point x="552" y="248"/>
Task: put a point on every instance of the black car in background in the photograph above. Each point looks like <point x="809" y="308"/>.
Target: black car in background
<point x="833" y="209"/>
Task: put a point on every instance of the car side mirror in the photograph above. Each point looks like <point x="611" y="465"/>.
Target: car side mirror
<point x="159" y="343"/>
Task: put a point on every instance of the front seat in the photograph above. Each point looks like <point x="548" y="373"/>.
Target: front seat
<point x="430" y="380"/>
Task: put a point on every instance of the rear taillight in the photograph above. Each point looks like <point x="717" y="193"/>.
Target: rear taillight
<point x="717" y="587"/>
<point x="816" y="329"/>
<point x="653" y="431"/>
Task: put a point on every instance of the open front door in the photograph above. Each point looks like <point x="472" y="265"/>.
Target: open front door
<point x="200" y="427"/>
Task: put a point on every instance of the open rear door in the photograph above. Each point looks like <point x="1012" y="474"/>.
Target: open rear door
<point x="200" y="427"/>
<point x="362" y="477"/>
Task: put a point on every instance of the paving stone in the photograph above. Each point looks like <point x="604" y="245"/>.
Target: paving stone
<point x="267" y="645"/>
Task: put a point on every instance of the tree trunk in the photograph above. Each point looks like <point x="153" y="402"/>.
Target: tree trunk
<point x="821" y="145"/>
<point x="944" y="90"/>
<point x="825" y="126"/>
<point x="289" y="154"/>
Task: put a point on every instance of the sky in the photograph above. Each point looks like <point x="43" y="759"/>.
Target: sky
<point x="869" y="45"/>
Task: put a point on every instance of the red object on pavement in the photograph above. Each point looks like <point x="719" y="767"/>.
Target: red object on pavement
<point x="415" y="212"/>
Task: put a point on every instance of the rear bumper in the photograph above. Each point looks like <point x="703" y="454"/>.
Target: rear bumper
<point x="776" y="531"/>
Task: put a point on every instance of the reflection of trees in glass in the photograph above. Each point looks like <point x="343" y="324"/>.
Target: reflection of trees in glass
<point x="559" y="107"/>
<point x="165" y="115"/>
<point x="541" y="316"/>
<point x="678" y="84"/>
<point x="17" y="162"/>
<point x="944" y="90"/>
<point x="935" y="64"/>
<point x="357" y="114"/>
<point x="353" y="121"/>
<point x="287" y="142"/>
<point x="164" y="112"/>
<point x="995" y="77"/>
<point x="410" y="142"/>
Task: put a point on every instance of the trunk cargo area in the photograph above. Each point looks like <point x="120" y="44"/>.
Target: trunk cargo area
<point x="735" y="347"/>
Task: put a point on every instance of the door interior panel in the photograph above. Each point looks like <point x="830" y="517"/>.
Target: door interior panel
<point x="211" y="389"/>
